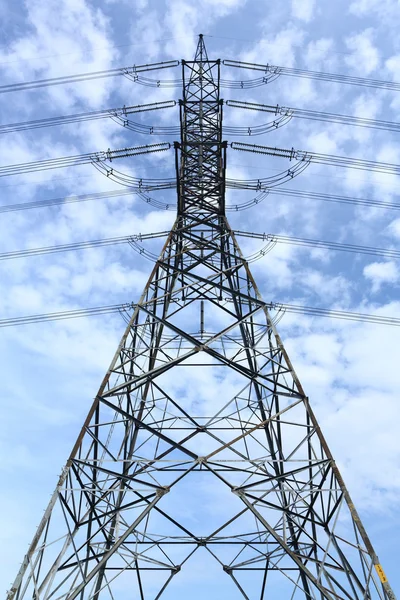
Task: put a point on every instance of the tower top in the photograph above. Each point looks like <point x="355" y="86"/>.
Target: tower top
<point x="201" y="52"/>
<point x="201" y="172"/>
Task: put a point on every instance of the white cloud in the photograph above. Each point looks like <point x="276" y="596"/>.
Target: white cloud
<point x="321" y="55"/>
<point x="392" y="65"/>
<point x="383" y="9"/>
<point x="367" y="106"/>
<point x="303" y="9"/>
<point x="364" y="58"/>
<point x="394" y="228"/>
<point x="93" y="52"/>
<point x="328" y="288"/>
<point x="322" y="143"/>
<point x="275" y="47"/>
<point x="380" y="273"/>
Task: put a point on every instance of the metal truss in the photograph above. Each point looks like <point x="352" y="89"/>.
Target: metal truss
<point x="114" y="527"/>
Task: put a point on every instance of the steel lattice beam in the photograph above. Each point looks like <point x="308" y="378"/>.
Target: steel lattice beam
<point x="292" y="519"/>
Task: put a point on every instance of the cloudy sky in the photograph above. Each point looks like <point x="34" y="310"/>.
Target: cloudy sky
<point x="51" y="371"/>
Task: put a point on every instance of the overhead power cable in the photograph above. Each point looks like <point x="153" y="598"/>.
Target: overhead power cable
<point x="300" y="194"/>
<point x="117" y="114"/>
<point x="336" y="314"/>
<point x="95" y="158"/>
<point x="120" y="115"/>
<point x="130" y="72"/>
<point x="66" y="200"/>
<point x="133" y="74"/>
<point x="66" y="314"/>
<point x="276" y="306"/>
<point x="276" y="71"/>
<point x="270" y="73"/>
<point x="322" y="159"/>
<point x="335" y="198"/>
<point x="231" y="84"/>
<point x="100" y="159"/>
<point x="284" y="114"/>
<point x="268" y="237"/>
<point x="126" y="239"/>
<point x="296" y="241"/>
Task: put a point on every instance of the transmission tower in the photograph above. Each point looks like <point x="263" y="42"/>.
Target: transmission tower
<point x="114" y="527"/>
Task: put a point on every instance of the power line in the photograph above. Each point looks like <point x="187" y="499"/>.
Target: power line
<point x="95" y="158"/>
<point x="67" y="200"/>
<point x="120" y="115"/>
<point x="270" y="73"/>
<point x="322" y="159"/>
<point x="275" y="72"/>
<point x="285" y="114"/>
<point x="326" y="245"/>
<point x="268" y="237"/>
<point x="127" y="239"/>
<point x="66" y="314"/>
<point x="301" y="194"/>
<point x="117" y="114"/>
<point x="130" y="72"/>
<point x="279" y="307"/>
<point x="336" y="314"/>
<point x="336" y="198"/>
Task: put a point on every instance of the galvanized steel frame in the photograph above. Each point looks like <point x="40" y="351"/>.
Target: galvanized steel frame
<point x="201" y="307"/>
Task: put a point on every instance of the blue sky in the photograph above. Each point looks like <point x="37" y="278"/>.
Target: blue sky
<point x="52" y="371"/>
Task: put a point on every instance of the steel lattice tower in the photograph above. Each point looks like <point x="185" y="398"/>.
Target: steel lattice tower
<point x="109" y="530"/>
